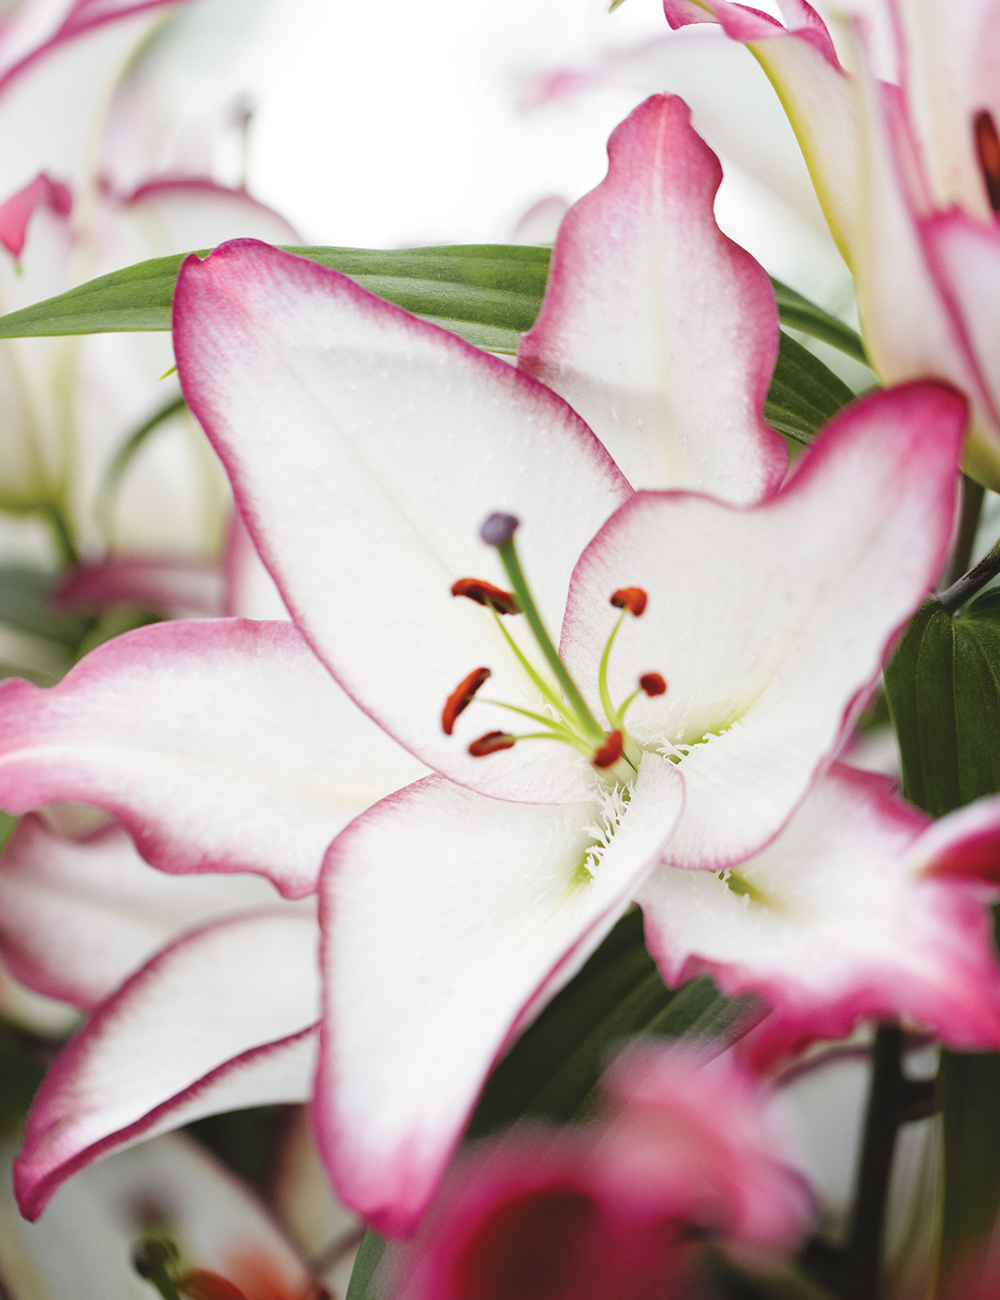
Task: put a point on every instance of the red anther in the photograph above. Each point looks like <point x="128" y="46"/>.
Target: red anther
<point x="610" y="752"/>
<point x="988" y="149"/>
<point x="201" y="1284"/>
<point x="653" y="684"/>
<point x="484" y="593"/>
<point x="461" y="697"/>
<point x="631" y="598"/>
<point x="491" y="743"/>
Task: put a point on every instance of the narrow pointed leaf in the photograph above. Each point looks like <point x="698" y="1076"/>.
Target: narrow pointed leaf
<point x="804" y="394"/>
<point x="799" y="313"/>
<point x="487" y="293"/>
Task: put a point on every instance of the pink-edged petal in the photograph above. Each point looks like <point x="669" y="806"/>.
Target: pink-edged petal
<point x="220" y="1020"/>
<point x="79" y="916"/>
<point x="800" y="61"/>
<point x="656" y="328"/>
<point x="965" y="843"/>
<point x="221" y="746"/>
<point x="965" y="254"/>
<point x="54" y="85"/>
<point x="17" y="211"/>
<point x="770" y="624"/>
<point x="913" y="320"/>
<point x="837" y="925"/>
<point x="480" y="905"/>
<point x="83" y="1243"/>
<point x="719" y="1131"/>
<point x="175" y="585"/>
<point x="948" y="59"/>
<point x="177" y="215"/>
<point x="249" y="588"/>
<point x="366" y="448"/>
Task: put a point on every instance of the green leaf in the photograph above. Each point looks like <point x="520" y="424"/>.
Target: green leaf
<point x="552" y="1070"/>
<point x="113" y="475"/>
<point x="24" y="606"/>
<point x="486" y="293"/>
<point x="804" y="394"/>
<point x="368" y="1258"/>
<point x="799" y="313"/>
<point x="943" y="690"/>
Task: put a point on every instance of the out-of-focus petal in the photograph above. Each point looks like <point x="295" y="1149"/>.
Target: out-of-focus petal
<point x="79" y="916"/>
<point x="221" y="1020"/>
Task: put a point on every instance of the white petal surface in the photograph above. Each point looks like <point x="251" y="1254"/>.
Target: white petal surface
<point x="366" y="448"/>
<point x="78" y="917"/>
<point x="444" y="915"/>
<point x="948" y="63"/>
<point x="907" y="306"/>
<point x="82" y="1246"/>
<point x="841" y="925"/>
<point x="814" y="91"/>
<point x="770" y="624"/>
<point x="216" y="1022"/>
<point x="656" y="328"/>
<point x="221" y="746"/>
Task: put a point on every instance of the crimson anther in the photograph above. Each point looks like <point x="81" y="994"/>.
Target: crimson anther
<point x="461" y="697"/>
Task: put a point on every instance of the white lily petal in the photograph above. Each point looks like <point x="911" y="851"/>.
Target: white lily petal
<point x="835" y="924"/>
<point x="770" y="625"/>
<point x="445" y="914"/>
<point x="218" y="1021"/>
<point x="78" y="917"/>
<point x="366" y="448"/>
<point x="221" y="746"/>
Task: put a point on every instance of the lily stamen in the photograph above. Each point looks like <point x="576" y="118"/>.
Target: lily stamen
<point x="461" y="698"/>
<point x="571" y="722"/>
<point x="484" y="593"/>
<point x="988" y="150"/>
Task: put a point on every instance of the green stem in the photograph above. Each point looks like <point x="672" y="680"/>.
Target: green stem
<point x="973" y="494"/>
<point x="966" y="587"/>
<point x="508" y="555"/>
<point x="886" y="1100"/>
<point x="536" y="677"/>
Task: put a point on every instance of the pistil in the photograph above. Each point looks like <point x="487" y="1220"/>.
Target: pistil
<point x="571" y="721"/>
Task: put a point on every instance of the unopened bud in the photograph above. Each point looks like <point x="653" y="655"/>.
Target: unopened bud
<point x="631" y="598"/>
<point x="499" y="529"/>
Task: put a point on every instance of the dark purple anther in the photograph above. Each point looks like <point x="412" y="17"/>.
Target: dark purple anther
<point x="499" y="529"/>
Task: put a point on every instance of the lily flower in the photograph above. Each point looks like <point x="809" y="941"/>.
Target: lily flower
<point x="683" y="1151"/>
<point x="710" y="655"/>
<point x="79" y="198"/>
<point x="862" y="908"/>
<point x="909" y="180"/>
<point x="170" y="1201"/>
